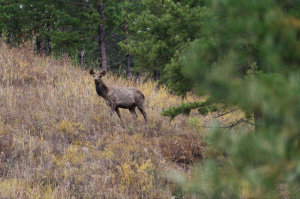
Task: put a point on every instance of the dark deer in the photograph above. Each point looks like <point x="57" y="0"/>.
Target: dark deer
<point x="120" y="97"/>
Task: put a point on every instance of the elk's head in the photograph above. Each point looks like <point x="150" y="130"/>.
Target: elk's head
<point x="97" y="76"/>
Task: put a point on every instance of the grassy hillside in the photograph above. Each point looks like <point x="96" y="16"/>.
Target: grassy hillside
<point x="55" y="139"/>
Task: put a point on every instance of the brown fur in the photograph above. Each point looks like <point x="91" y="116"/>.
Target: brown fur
<point x="120" y="97"/>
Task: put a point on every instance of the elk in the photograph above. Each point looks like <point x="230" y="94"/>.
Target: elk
<point x="120" y="97"/>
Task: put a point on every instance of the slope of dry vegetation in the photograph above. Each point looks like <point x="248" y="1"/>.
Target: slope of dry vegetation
<point x="55" y="141"/>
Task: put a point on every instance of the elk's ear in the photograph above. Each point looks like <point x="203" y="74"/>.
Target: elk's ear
<point x="92" y="72"/>
<point x="103" y="73"/>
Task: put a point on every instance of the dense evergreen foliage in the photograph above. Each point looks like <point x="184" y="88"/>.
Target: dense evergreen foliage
<point x="146" y="35"/>
<point x="249" y="57"/>
<point x="12" y="18"/>
<point x="160" y="31"/>
<point x="236" y="53"/>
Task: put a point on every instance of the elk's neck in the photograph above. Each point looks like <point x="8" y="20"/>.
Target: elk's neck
<point x="101" y="89"/>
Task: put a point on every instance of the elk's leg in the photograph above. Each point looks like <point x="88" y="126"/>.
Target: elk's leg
<point x="118" y="113"/>
<point x="141" y="109"/>
<point x="112" y="108"/>
<point x="134" y="115"/>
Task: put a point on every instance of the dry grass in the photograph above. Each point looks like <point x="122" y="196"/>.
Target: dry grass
<point x="55" y="141"/>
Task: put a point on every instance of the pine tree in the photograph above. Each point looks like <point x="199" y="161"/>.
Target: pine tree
<point x="39" y="24"/>
<point x="75" y="31"/>
<point x="101" y="17"/>
<point x="249" y="57"/>
<point x="12" y="18"/>
<point x="160" y="30"/>
<point x="84" y="30"/>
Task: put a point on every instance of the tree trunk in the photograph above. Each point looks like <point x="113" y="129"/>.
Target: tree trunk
<point x="48" y="38"/>
<point x="81" y="58"/>
<point x="128" y="56"/>
<point x="128" y="66"/>
<point x="258" y="122"/>
<point x="101" y="34"/>
<point x="49" y="46"/>
<point x="9" y="40"/>
<point x="38" y="44"/>
<point x="156" y="75"/>
<point x="43" y="48"/>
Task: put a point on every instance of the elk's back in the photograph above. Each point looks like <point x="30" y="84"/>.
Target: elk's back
<point x="125" y="97"/>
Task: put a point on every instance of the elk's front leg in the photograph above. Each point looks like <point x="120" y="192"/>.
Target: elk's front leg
<point x="112" y="104"/>
<point x="118" y="113"/>
<point x="112" y="108"/>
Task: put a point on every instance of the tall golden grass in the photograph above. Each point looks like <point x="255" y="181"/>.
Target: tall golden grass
<point x="55" y="141"/>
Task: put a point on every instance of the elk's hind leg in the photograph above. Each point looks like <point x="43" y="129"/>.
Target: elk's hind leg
<point x="141" y="109"/>
<point x="134" y="115"/>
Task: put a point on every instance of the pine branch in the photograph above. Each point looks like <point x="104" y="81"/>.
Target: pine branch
<point x="231" y="125"/>
<point x="184" y="108"/>
<point x="225" y="113"/>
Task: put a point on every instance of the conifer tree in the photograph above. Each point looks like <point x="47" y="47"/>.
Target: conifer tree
<point x="101" y="17"/>
<point x="12" y="18"/>
<point x="84" y="30"/>
<point x="249" y="57"/>
<point x="160" y="30"/>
